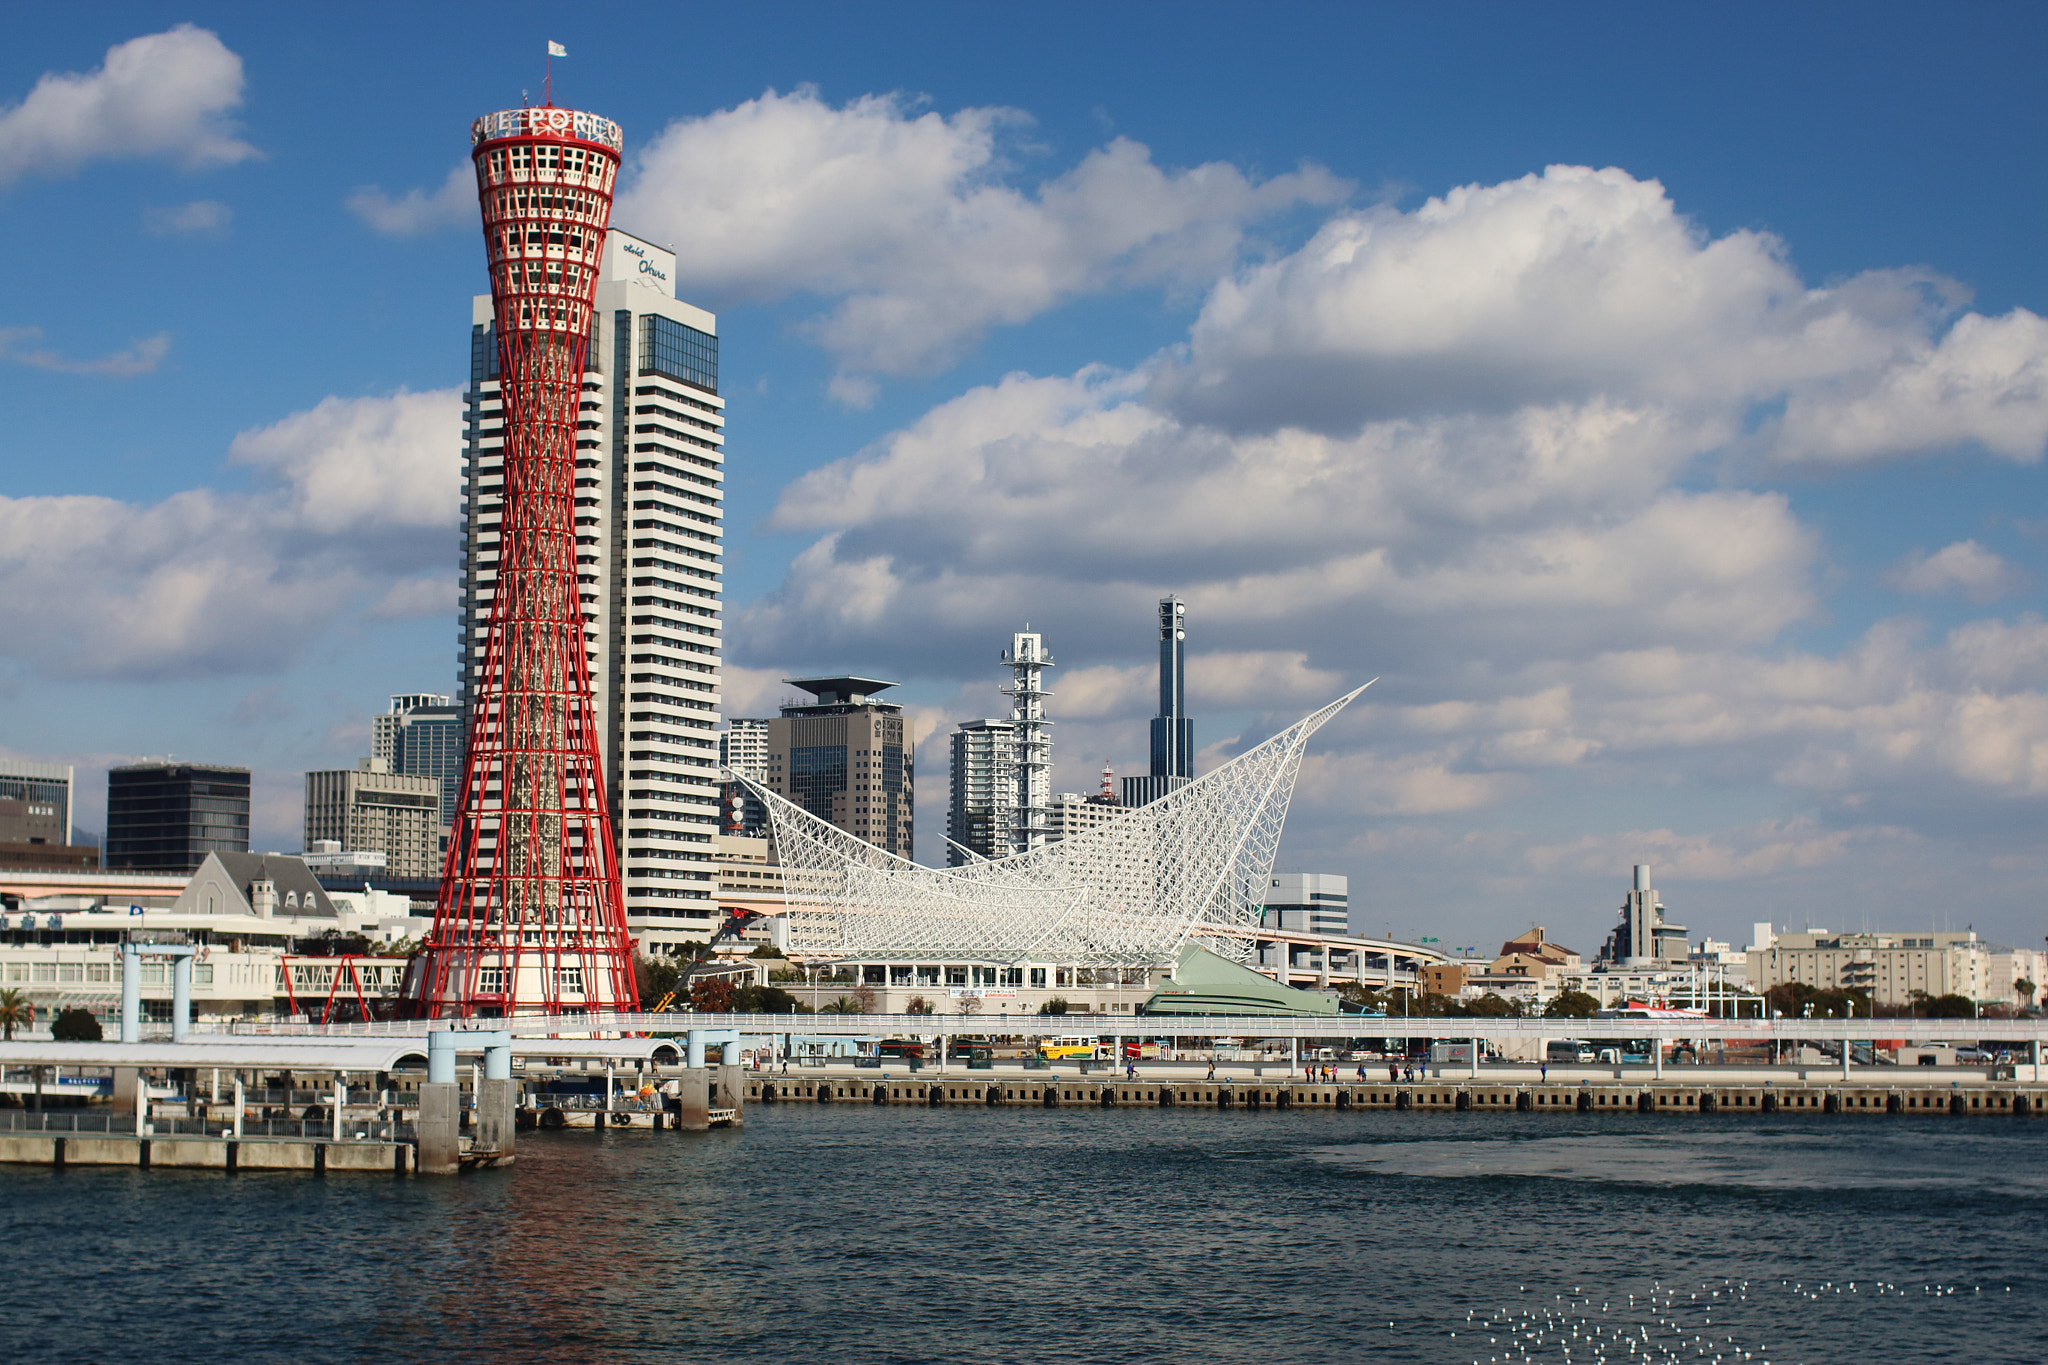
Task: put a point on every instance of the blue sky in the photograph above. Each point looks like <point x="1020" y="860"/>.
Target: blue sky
<point x="1687" y="502"/>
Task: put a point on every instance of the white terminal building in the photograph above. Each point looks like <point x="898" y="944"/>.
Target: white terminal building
<point x="649" y="550"/>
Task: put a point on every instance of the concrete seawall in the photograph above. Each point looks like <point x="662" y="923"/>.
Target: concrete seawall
<point x="2009" y="1100"/>
<point x="228" y="1155"/>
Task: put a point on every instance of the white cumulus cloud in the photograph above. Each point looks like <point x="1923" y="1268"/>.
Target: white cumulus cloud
<point x="912" y="224"/>
<point x="1580" y="284"/>
<point x="418" y="211"/>
<point x="355" y="508"/>
<point x="1965" y="568"/>
<point x="161" y="95"/>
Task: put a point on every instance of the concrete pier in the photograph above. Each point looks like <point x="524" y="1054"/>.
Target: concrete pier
<point x="1956" y="1099"/>
<point x="205" y="1153"/>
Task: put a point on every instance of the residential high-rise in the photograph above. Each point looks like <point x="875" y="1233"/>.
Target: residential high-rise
<point x="981" y="802"/>
<point x="422" y="736"/>
<point x="1030" y="741"/>
<point x="1173" y="732"/>
<point x="648" y="519"/>
<point x="166" y="817"/>
<point x="370" y="809"/>
<point x="743" y="747"/>
<point x="569" y="512"/>
<point x="846" y="758"/>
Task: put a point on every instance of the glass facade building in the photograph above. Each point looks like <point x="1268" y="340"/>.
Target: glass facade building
<point x="166" y="817"/>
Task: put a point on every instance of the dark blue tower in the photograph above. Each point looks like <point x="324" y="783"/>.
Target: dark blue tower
<point x="1173" y="733"/>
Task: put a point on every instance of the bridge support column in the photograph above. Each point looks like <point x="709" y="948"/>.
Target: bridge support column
<point x="694" y="1112"/>
<point x="131" y="994"/>
<point x="440" y="1140"/>
<point x="496" y="1101"/>
<point x="181" y="996"/>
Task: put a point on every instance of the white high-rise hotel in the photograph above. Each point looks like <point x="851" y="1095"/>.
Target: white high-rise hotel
<point x="649" y="528"/>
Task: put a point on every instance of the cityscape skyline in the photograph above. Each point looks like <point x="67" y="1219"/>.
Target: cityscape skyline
<point x="1733" y="589"/>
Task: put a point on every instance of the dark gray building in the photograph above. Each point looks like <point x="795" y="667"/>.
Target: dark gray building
<point x="166" y="817"/>
<point x="1173" y="731"/>
<point x="846" y="758"/>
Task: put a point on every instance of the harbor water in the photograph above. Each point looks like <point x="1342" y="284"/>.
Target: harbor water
<point x="846" y="1233"/>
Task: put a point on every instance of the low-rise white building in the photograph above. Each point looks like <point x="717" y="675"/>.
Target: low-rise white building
<point x="271" y="941"/>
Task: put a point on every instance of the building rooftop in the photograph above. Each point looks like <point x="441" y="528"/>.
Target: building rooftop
<point x="842" y="689"/>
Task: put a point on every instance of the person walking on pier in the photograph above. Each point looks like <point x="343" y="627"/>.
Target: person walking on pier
<point x="1212" y="1068"/>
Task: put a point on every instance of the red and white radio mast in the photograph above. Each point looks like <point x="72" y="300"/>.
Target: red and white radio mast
<point x="530" y="917"/>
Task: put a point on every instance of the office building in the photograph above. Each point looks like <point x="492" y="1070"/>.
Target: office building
<point x="1173" y="732"/>
<point x="35" y="817"/>
<point x="1643" y="936"/>
<point x="1308" y="903"/>
<point x="35" y="802"/>
<point x="422" y="735"/>
<point x="1894" y="968"/>
<point x="648" y="548"/>
<point x="167" y="817"/>
<point x="369" y="808"/>
<point x="743" y="747"/>
<point x="847" y="759"/>
<point x="980" y="803"/>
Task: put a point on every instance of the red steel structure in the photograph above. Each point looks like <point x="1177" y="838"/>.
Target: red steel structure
<point x="530" y="917"/>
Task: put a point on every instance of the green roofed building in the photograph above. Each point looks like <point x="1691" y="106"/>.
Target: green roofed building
<point x="1203" y="983"/>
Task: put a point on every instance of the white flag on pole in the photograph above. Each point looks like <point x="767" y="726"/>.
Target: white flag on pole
<point x="555" y="49"/>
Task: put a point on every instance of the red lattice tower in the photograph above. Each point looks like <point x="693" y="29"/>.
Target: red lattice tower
<point x="530" y="917"/>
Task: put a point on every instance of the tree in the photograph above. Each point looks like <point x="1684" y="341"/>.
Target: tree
<point x="75" y="1026"/>
<point x="711" y="995"/>
<point x="1056" y="1005"/>
<point x="970" y="1004"/>
<point x="845" y="1004"/>
<point x="1571" y="1005"/>
<point x="655" y="977"/>
<point x="15" y="1012"/>
<point x="918" y="1005"/>
<point x="864" y="998"/>
<point x="1491" y="1006"/>
<point x="764" y="1000"/>
<point x="767" y="950"/>
<point x="2024" y="989"/>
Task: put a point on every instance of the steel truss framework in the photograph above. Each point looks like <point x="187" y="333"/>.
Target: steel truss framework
<point x="530" y="918"/>
<point x="1195" y="863"/>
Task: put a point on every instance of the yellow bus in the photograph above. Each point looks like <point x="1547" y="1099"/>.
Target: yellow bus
<point x="1067" y="1048"/>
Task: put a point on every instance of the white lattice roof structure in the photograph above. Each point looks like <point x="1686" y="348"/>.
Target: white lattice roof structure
<point x="1193" y="864"/>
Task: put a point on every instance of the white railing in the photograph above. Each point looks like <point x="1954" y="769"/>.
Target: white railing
<point x="1165" y="1026"/>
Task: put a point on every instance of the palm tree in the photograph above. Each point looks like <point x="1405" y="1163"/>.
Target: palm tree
<point x="2025" y="990"/>
<point x="16" y="1011"/>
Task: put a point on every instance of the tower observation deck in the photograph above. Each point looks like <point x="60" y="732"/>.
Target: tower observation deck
<point x="530" y="917"/>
